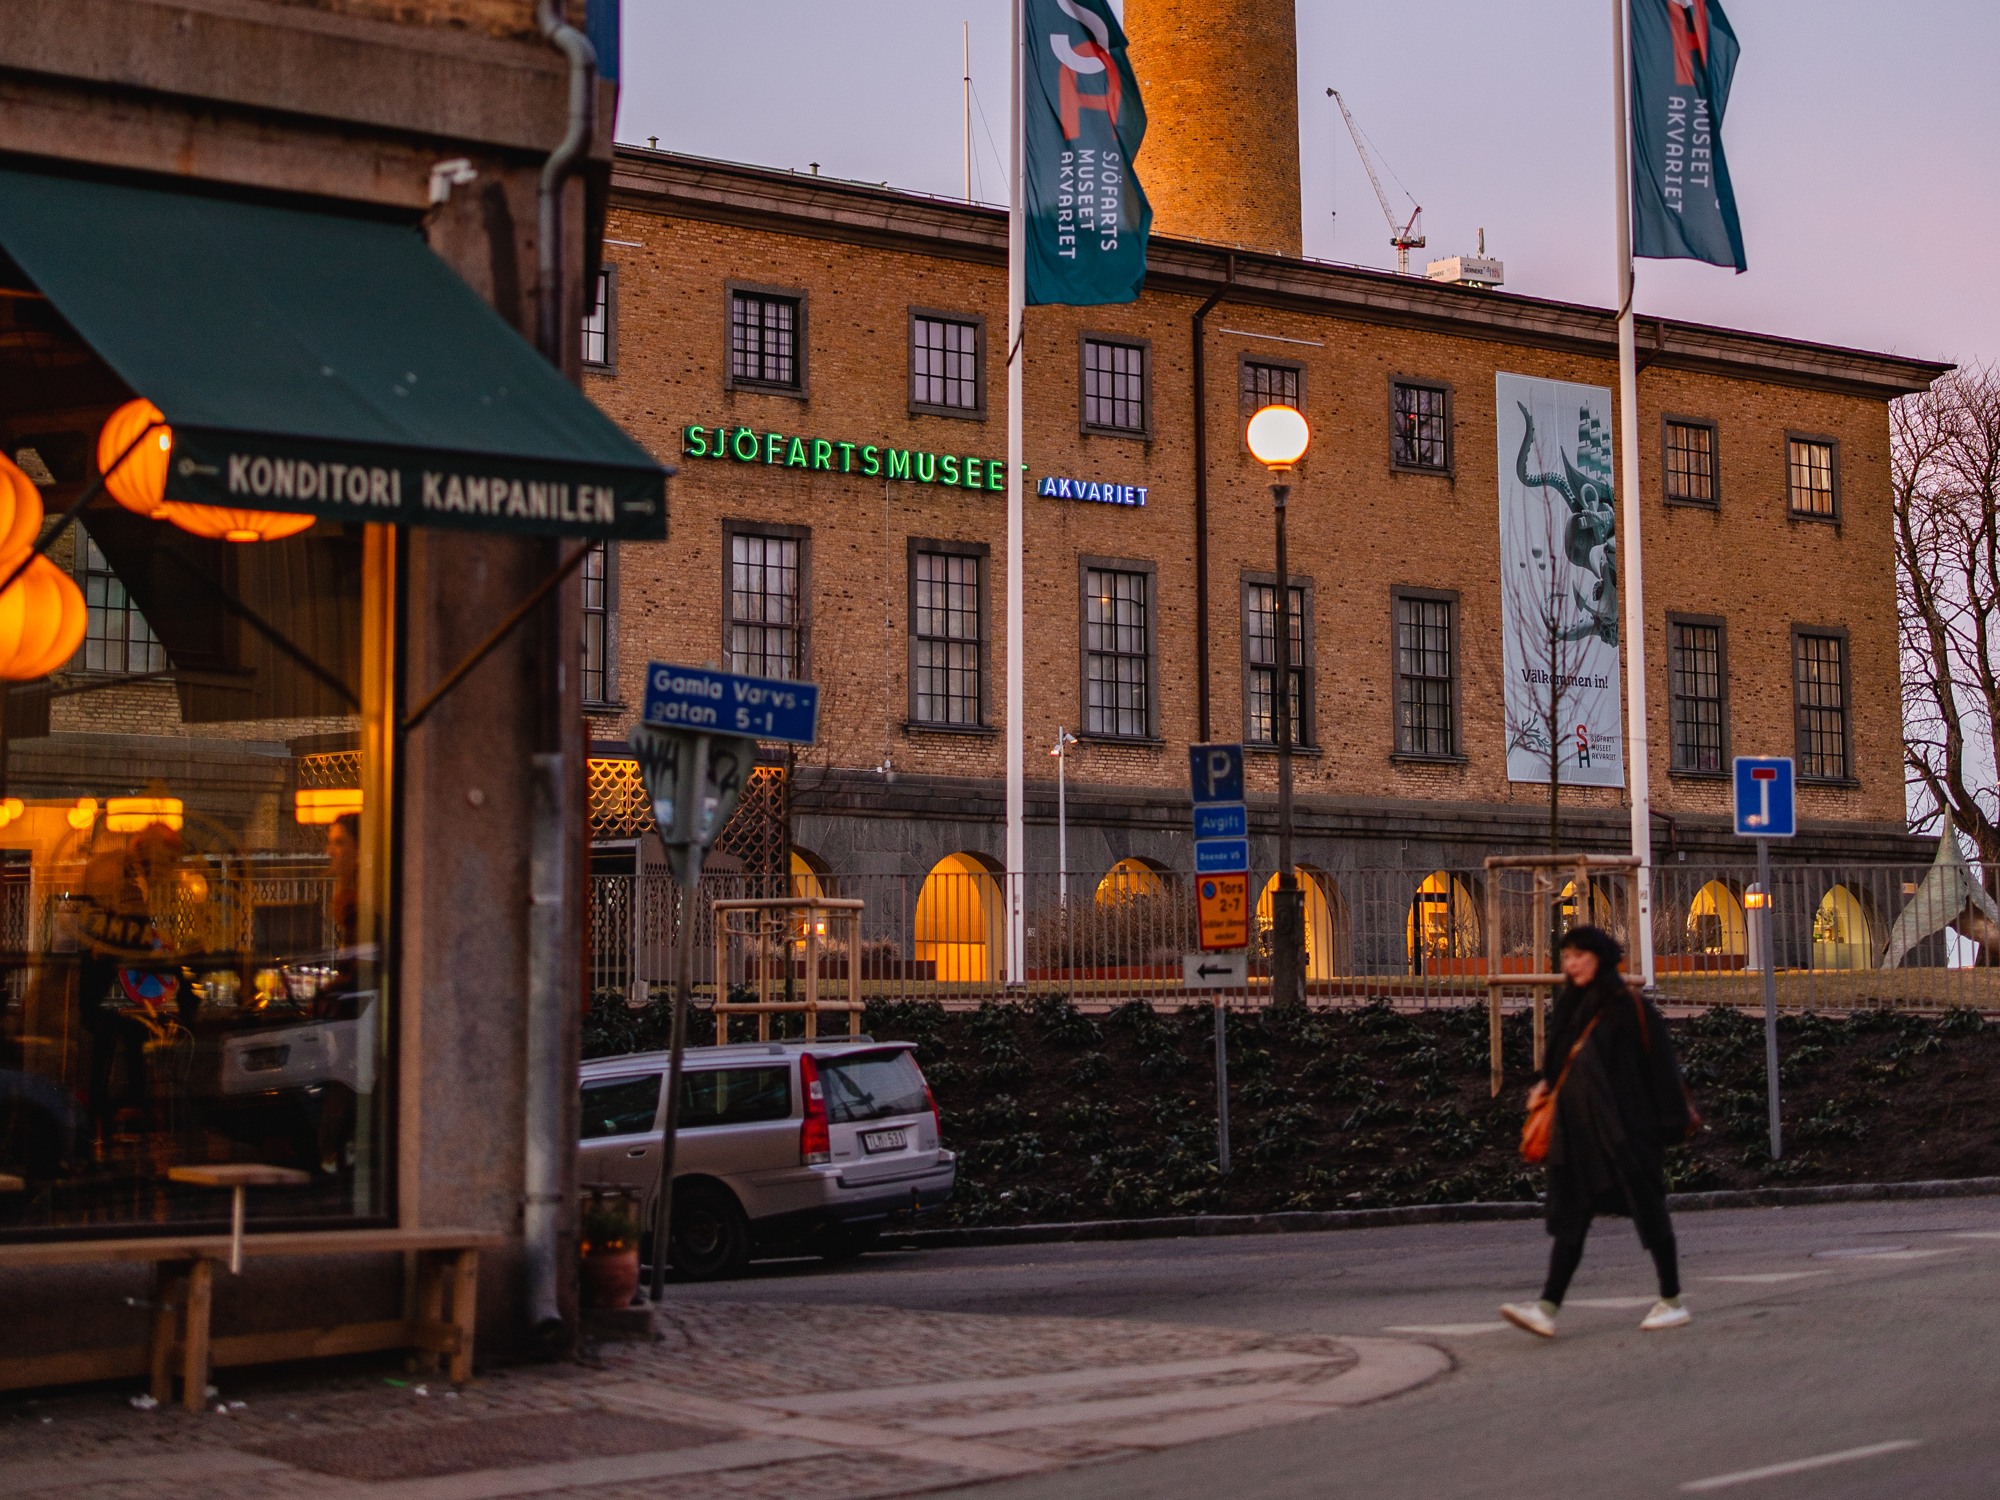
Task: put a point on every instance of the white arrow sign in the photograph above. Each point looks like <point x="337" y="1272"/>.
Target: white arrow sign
<point x="1214" y="971"/>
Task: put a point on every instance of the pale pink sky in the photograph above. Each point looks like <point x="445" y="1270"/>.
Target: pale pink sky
<point x="1864" y="139"/>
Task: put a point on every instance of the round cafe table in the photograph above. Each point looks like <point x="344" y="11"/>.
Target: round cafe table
<point x="238" y="1175"/>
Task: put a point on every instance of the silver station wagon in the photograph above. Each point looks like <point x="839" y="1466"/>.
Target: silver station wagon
<point x="784" y="1147"/>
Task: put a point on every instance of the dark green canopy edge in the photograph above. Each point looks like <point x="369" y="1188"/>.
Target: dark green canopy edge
<point x="327" y="364"/>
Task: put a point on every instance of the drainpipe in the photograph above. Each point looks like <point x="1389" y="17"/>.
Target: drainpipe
<point x="1201" y="494"/>
<point x="551" y="980"/>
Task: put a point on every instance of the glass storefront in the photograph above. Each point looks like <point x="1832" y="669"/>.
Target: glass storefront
<point x="192" y="893"/>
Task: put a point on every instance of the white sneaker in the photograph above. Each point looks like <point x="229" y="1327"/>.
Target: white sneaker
<point x="1665" y="1315"/>
<point x="1529" y="1315"/>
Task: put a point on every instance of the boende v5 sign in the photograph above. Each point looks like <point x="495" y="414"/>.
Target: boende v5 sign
<point x="1559" y="581"/>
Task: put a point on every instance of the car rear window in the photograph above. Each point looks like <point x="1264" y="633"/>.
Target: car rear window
<point x="871" y="1086"/>
<point x="620" y="1106"/>
<point x="736" y="1096"/>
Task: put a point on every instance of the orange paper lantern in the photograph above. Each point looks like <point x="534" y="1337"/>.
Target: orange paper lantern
<point x="42" y="618"/>
<point x="20" y="514"/>
<point x="140" y="483"/>
<point x="223" y="523"/>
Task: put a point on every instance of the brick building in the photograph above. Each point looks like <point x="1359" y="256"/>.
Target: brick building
<point x="814" y="330"/>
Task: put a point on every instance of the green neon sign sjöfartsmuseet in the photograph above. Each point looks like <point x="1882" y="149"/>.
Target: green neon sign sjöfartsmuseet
<point x="872" y="460"/>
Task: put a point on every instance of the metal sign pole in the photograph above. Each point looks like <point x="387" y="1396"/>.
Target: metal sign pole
<point x="1764" y="913"/>
<point x="688" y="863"/>
<point x="1222" y="1083"/>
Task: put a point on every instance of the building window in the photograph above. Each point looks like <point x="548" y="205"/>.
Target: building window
<point x="764" y="632"/>
<point x="1426" y="685"/>
<point x="1695" y="677"/>
<point x="947" y="636"/>
<point x="599" y="323"/>
<point x="1114" y="387"/>
<point x="1260" y="661"/>
<point x="946" y="365"/>
<point x="600" y="666"/>
<point x="1690" y="457"/>
<point x="1420" y="426"/>
<point x="1117" y="653"/>
<point x="116" y="637"/>
<point x="1266" y="384"/>
<point x="1812" y="477"/>
<point x="766" y="347"/>
<point x="1819" y="687"/>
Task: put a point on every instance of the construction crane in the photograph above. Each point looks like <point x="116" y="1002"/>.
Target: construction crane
<point x="1407" y="236"/>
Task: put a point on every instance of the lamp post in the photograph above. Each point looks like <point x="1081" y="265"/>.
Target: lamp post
<point x="1278" y="437"/>
<point x="1064" y="739"/>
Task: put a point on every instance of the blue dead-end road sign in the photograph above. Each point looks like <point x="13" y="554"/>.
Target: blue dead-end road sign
<point x="1765" y="806"/>
<point x="764" y="708"/>
<point x="1215" y="773"/>
<point x="1221" y="856"/>
<point x="1221" y="820"/>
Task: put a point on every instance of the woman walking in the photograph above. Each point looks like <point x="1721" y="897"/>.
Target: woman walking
<point x="1619" y="1103"/>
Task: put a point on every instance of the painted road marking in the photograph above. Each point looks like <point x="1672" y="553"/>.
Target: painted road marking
<point x="1798" y="1466"/>
<point x="1976" y="1234"/>
<point x="1887" y="1252"/>
<point x="1768" y="1278"/>
<point x="1447" y="1330"/>
<point x="1610" y="1302"/>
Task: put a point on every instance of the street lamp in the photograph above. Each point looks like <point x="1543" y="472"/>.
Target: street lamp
<point x="1278" y="437"/>
<point x="1064" y="739"/>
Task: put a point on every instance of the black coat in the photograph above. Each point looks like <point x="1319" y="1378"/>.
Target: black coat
<point x="1622" y="1105"/>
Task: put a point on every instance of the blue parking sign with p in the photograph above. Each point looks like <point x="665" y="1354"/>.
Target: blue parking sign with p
<point x="1765" y="805"/>
<point x="1215" y="773"/>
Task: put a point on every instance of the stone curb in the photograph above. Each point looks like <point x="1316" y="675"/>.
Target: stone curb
<point x="1201" y="1226"/>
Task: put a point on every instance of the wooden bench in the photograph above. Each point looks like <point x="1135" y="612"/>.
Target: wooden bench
<point x="437" y="1321"/>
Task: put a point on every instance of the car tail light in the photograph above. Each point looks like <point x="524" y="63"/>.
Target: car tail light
<point x="937" y="1120"/>
<point x="815" y="1140"/>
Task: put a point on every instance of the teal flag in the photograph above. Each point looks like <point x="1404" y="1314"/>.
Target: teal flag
<point x="1087" y="217"/>
<point x="1683" y="208"/>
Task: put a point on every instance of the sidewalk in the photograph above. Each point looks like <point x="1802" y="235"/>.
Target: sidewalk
<point x="730" y="1400"/>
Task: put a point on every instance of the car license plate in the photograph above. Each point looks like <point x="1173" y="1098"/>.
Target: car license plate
<point x="875" y="1141"/>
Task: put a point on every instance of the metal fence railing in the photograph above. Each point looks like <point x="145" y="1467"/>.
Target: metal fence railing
<point x="1412" y="937"/>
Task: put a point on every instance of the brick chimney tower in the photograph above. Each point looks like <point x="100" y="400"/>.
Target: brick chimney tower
<point x="1221" y="84"/>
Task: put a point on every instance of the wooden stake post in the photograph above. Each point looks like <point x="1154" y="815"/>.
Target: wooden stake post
<point x="1548" y="870"/>
<point x="813" y="926"/>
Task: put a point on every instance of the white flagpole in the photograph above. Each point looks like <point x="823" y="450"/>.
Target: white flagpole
<point x="1630" y="548"/>
<point x="1017" y="268"/>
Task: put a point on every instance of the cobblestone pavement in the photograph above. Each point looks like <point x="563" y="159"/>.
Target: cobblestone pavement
<point x="728" y="1400"/>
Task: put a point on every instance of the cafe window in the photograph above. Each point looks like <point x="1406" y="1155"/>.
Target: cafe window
<point x="947" y="365"/>
<point x="947" y="635"/>
<point x="1118" y="651"/>
<point x="1426" y="674"/>
<point x="1819" y="696"/>
<point x="1114" y="387"/>
<point x="1271" y="383"/>
<point x="116" y="637"/>
<point x="1420" y="426"/>
<point x="600" y="624"/>
<point x="191" y="877"/>
<point x="1260" y="661"/>
<point x="600" y="323"/>
<point x="764" y="594"/>
<point x="1696" y="681"/>
<point x="1689" y="449"/>
<point x="767" y="340"/>
<point x="1812" y="477"/>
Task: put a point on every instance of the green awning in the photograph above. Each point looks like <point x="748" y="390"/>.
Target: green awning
<point x="324" y="363"/>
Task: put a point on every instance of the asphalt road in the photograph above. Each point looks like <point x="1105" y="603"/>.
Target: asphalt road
<point x="1818" y="1331"/>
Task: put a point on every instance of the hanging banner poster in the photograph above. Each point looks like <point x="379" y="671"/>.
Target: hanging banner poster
<point x="1559" y="582"/>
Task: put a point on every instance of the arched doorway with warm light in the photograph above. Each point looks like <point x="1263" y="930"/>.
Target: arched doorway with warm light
<point x="1717" y="934"/>
<point x="1325" y="951"/>
<point x="958" y="920"/>
<point x="1843" y="937"/>
<point x="1442" y="932"/>
<point x="1130" y="879"/>
<point x="811" y="875"/>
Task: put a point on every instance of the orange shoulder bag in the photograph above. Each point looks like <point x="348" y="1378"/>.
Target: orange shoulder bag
<point x="1540" y="1125"/>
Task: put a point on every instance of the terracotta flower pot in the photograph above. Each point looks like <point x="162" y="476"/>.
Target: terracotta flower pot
<point x="610" y="1278"/>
